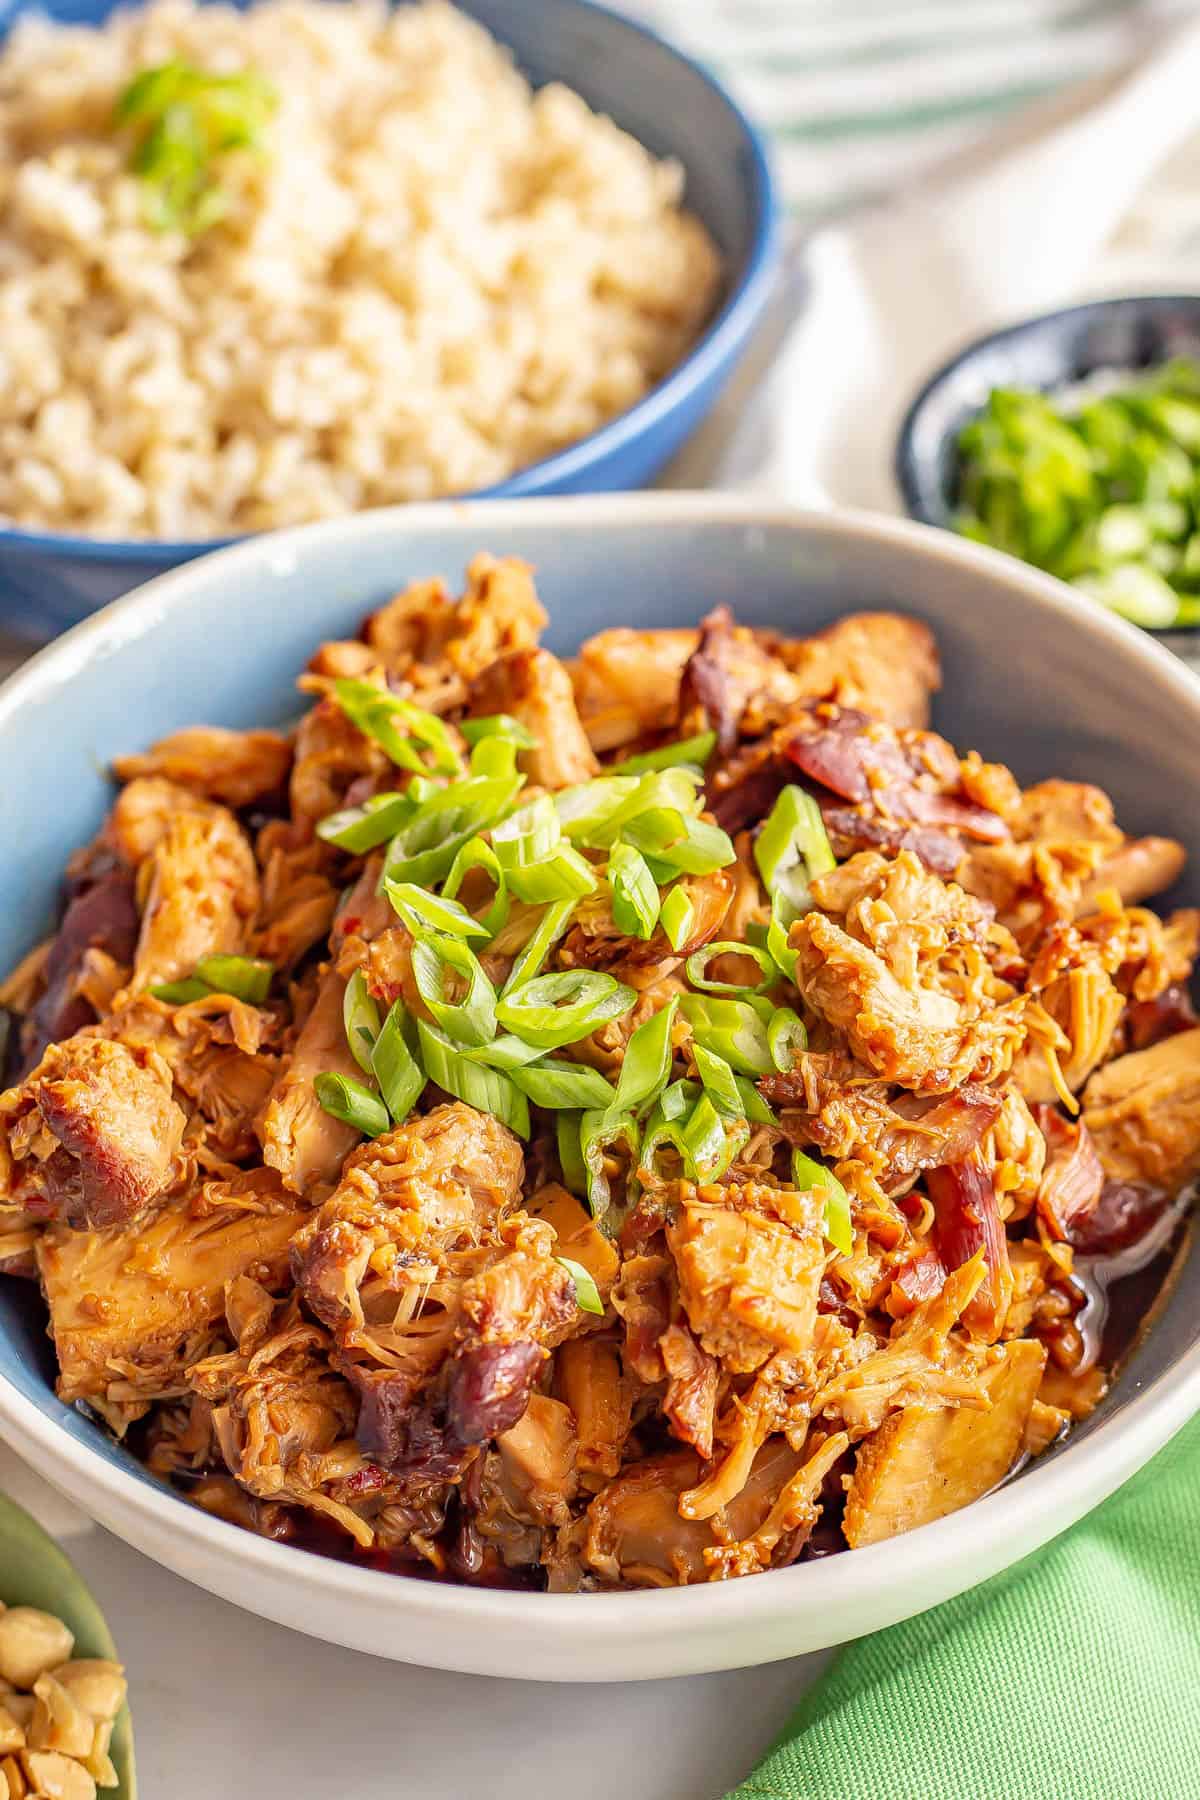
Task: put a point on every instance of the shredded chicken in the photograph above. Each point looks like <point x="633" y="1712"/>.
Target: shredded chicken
<point x="376" y="1274"/>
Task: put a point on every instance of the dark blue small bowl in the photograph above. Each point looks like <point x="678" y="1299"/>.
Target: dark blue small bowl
<point x="49" y="580"/>
<point x="1047" y="352"/>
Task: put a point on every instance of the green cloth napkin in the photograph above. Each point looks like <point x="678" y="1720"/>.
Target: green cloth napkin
<point x="1074" y="1676"/>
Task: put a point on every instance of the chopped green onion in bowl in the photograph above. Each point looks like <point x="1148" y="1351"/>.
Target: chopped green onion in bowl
<point x="1098" y="484"/>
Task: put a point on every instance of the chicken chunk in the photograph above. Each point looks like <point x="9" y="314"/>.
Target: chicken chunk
<point x="93" y="1134"/>
<point x="234" y="767"/>
<point x="906" y="975"/>
<point x="921" y="1464"/>
<point x="749" y="1263"/>
<point x="102" y="916"/>
<point x="131" y="1310"/>
<point x="203" y="894"/>
<point x="534" y="688"/>
<point x="1142" y="1112"/>
<point x="299" y="1138"/>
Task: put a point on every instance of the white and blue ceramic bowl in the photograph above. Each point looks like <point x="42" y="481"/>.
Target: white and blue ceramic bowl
<point x="1034" y="676"/>
<point x="49" y="580"/>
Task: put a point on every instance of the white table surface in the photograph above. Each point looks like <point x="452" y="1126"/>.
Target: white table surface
<point x="227" y="1705"/>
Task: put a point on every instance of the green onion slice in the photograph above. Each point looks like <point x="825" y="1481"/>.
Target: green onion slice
<point x="557" y="1084"/>
<point x="380" y="715"/>
<point x="181" y="993"/>
<point x="493" y="756"/>
<point x="424" y="912"/>
<point x="709" y="1144"/>
<point x="245" y="977"/>
<point x="754" y="1106"/>
<point x="564" y="875"/>
<point x="556" y="1009"/>
<point x="793" y="848"/>
<point x="505" y="1052"/>
<point x="570" y="1156"/>
<point x="527" y="836"/>
<point x="677" y="918"/>
<point x="424" y="848"/>
<point x="646" y="1067"/>
<point x="550" y="927"/>
<point x="399" y="1074"/>
<point x="476" y="854"/>
<point x="601" y="1136"/>
<point x="470" y="1019"/>
<point x="359" y="829"/>
<point x="735" y="1029"/>
<point x="361" y="1018"/>
<point x="352" y="1103"/>
<point x="808" y="1174"/>
<point x="635" y="902"/>
<point x="720" y="1082"/>
<point x="785" y="1035"/>
<point x="487" y="1090"/>
<point x="501" y="725"/>
<point x="697" y="965"/>
<point x="782" y="915"/>
<point x="693" y="750"/>
<point x="682" y="845"/>
<point x="586" y="1291"/>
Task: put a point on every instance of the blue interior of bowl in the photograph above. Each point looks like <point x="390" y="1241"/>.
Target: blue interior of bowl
<point x="1046" y="692"/>
<point x="671" y="104"/>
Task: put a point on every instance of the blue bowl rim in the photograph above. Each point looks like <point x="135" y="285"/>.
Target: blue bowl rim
<point x="905" y="460"/>
<point x="720" y="339"/>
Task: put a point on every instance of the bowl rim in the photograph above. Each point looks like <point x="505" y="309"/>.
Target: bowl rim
<point x="1044" y="1500"/>
<point x="905" y="462"/>
<point x="721" y="338"/>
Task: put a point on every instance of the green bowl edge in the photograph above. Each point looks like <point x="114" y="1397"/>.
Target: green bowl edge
<point x="34" y="1571"/>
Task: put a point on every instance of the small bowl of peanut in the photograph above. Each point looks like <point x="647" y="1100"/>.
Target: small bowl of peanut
<point x="64" y="1723"/>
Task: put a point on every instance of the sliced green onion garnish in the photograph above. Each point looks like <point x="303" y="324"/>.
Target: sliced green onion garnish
<point x="586" y="810"/>
<point x="785" y="1035"/>
<point x="361" y="1018"/>
<point x="753" y="1104"/>
<point x="792" y="849"/>
<point x="549" y="929"/>
<point x="570" y="1156"/>
<point x="635" y="902"/>
<point x="564" y="875"/>
<point x="505" y="1052"/>
<point x="501" y="725"/>
<point x="694" y="751"/>
<point x="646" y="1067"/>
<point x="720" y="1082"/>
<point x="586" y="1291"/>
<point x="423" y="912"/>
<point x="697" y="966"/>
<point x="688" y="846"/>
<point x="386" y="719"/>
<point x="808" y="1174"/>
<point x="601" y="1134"/>
<point x="560" y="1008"/>
<point x="181" y="993"/>
<point x="425" y="847"/>
<point x="528" y="836"/>
<point x="557" y="1084"/>
<point x="676" y="1101"/>
<point x="245" y="977"/>
<point x="494" y="756"/>
<point x="352" y="1103"/>
<point x="399" y="1074"/>
<point x="735" y="1029"/>
<point x="476" y="854"/>
<point x="359" y="829"/>
<point x="782" y="915"/>
<point x="485" y="1089"/>
<point x="677" y="918"/>
<point x="470" y="1019"/>
<point x="704" y="1136"/>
